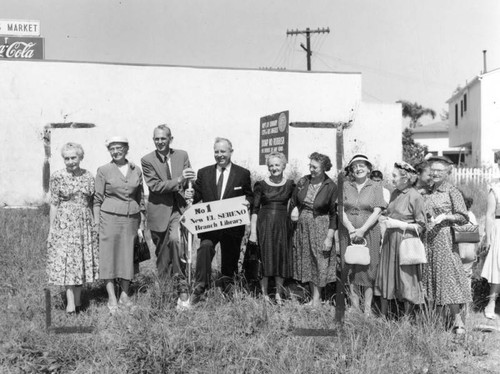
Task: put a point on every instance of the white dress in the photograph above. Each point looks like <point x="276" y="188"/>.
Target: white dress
<point x="491" y="268"/>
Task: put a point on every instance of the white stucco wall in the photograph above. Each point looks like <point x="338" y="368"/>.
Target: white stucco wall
<point x="490" y="118"/>
<point x="435" y="142"/>
<point x="198" y="103"/>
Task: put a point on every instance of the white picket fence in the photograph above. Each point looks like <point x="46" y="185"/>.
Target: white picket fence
<point x="476" y="175"/>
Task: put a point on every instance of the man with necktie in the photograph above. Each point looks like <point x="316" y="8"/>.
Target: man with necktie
<point x="224" y="180"/>
<point x="167" y="172"/>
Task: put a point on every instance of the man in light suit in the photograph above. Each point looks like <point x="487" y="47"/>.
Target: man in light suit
<point x="223" y="180"/>
<point x="166" y="172"/>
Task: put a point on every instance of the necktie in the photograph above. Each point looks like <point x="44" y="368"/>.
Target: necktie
<point x="169" y="174"/>
<point x="219" y="183"/>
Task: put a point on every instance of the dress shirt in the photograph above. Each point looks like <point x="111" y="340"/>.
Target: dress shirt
<point x="166" y="159"/>
<point x="227" y="169"/>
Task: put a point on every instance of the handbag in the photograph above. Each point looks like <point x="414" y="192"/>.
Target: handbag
<point x="412" y="251"/>
<point x="467" y="251"/>
<point x="467" y="233"/>
<point x="252" y="264"/>
<point x="357" y="254"/>
<point x="141" y="250"/>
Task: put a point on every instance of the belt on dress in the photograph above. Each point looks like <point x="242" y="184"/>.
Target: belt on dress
<point x="275" y="205"/>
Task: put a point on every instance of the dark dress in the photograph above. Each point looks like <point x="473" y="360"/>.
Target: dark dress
<point x="445" y="279"/>
<point x="318" y="214"/>
<point x="359" y="207"/>
<point x="395" y="281"/>
<point x="274" y="230"/>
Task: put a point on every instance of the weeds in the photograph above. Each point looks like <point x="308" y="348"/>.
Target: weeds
<point x="235" y="333"/>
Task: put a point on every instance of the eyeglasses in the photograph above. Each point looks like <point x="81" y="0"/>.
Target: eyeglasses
<point x="438" y="171"/>
<point x="116" y="149"/>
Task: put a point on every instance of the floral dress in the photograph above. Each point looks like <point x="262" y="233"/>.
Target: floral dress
<point x="72" y="256"/>
<point x="445" y="279"/>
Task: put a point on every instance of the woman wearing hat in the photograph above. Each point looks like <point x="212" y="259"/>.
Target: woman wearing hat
<point x="362" y="205"/>
<point x="119" y="209"/>
<point x="405" y="218"/>
<point x="444" y="276"/>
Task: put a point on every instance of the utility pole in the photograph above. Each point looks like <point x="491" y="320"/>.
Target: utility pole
<point x="307" y="47"/>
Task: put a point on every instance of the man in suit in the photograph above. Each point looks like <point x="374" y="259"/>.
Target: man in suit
<point x="224" y="180"/>
<point x="166" y="172"/>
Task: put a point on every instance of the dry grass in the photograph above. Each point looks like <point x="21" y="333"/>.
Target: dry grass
<point x="240" y="334"/>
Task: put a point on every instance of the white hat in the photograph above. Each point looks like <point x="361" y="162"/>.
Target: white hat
<point x="116" y="139"/>
<point x="359" y="157"/>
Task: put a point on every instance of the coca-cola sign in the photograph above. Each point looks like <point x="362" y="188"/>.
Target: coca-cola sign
<point x="21" y="48"/>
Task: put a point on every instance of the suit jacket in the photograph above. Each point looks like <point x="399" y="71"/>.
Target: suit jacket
<point x="118" y="194"/>
<point x="163" y="193"/>
<point x="238" y="184"/>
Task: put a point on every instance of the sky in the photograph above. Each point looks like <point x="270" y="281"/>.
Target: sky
<point x="416" y="50"/>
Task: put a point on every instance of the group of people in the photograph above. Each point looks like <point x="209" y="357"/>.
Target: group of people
<point x="93" y="226"/>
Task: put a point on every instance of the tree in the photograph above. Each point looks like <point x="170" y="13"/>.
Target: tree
<point x="413" y="152"/>
<point x="415" y="111"/>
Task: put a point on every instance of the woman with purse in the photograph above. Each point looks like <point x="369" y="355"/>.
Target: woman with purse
<point x="362" y="206"/>
<point x="271" y="226"/>
<point x="313" y="206"/>
<point x="491" y="267"/>
<point x="119" y="209"/>
<point x="404" y="223"/>
<point x="445" y="279"/>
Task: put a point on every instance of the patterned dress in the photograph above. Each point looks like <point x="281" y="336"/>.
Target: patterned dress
<point x="395" y="281"/>
<point x="491" y="267"/>
<point x="445" y="279"/>
<point x="316" y="204"/>
<point x="72" y="256"/>
<point x="274" y="227"/>
<point x="358" y="207"/>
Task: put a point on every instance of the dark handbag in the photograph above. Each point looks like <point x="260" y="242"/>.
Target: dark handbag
<point x="467" y="233"/>
<point x="252" y="264"/>
<point x="141" y="250"/>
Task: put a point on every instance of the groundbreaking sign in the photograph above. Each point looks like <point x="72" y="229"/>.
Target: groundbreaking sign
<point x="216" y="215"/>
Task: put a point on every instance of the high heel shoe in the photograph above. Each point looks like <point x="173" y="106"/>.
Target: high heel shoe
<point x="489" y="312"/>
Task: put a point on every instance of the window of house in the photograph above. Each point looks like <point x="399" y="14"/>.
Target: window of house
<point x="456" y="114"/>
<point x="461" y="108"/>
<point x="465" y="102"/>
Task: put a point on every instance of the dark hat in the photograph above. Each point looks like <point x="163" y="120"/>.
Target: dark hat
<point x="444" y="159"/>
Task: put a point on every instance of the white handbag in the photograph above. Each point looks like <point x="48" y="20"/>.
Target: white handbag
<point x="412" y="251"/>
<point x="357" y="254"/>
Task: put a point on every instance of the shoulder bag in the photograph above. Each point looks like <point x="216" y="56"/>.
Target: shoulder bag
<point x="357" y="254"/>
<point x="412" y="251"/>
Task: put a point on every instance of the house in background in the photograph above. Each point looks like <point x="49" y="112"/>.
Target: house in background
<point x="474" y="122"/>
<point x="435" y="136"/>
